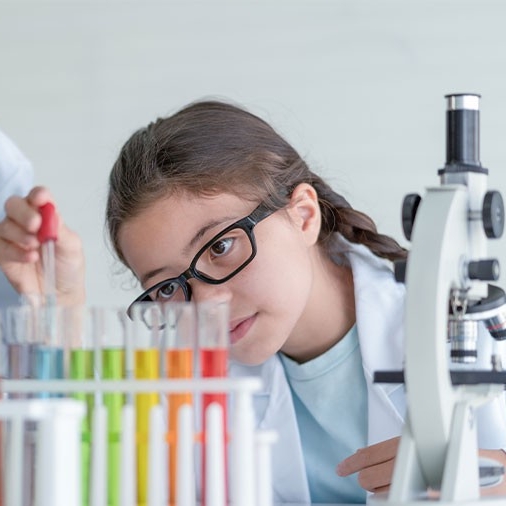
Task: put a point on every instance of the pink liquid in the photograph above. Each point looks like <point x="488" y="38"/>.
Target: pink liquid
<point x="213" y="363"/>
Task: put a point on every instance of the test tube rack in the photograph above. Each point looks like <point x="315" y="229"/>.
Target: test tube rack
<point x="246" y="481"/>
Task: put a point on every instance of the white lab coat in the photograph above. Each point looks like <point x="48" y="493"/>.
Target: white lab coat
<point x="16" y="178"/>
<point x="379" y="311"/>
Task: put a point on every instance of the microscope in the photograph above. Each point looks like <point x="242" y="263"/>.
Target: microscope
<point x="449" y="301"/>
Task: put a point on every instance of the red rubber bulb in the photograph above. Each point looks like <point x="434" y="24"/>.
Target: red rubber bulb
<point x="49" y="227"/>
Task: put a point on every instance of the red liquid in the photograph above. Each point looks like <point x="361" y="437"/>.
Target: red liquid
<point x="1" y="467"/>
<point x="214" y="364"/>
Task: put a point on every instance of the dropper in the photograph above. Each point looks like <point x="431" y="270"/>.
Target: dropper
<point x="47" y="235"/>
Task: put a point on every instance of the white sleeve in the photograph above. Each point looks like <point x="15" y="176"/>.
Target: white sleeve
<point x="16" y="178"/>
<point x="16" y="172"/>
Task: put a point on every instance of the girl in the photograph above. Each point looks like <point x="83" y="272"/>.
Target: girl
<point x="212" y="203"/>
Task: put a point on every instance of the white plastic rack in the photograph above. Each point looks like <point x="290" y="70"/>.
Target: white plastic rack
<point x="240" y="475"/>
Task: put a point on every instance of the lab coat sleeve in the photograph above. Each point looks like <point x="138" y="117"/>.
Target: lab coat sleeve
<point x="16" y="172"/>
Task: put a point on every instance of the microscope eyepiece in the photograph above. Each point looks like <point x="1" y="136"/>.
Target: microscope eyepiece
<point x="462" y="132"/>
<point x="459" y="101"/>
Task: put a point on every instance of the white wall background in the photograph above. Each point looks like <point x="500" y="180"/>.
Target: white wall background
<point x="357" y="86"/>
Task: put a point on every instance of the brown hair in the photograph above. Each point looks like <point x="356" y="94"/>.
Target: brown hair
<point x="211" y="147"/>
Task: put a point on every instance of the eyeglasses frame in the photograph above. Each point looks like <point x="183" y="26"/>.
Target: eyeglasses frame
<point x="247" y="224"/>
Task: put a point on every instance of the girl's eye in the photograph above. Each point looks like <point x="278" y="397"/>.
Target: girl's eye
<point x="221" y="247"/>
<point x="167" y="291"/>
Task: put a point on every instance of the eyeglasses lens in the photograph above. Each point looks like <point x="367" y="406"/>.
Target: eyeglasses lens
<point x="225" y="255"/>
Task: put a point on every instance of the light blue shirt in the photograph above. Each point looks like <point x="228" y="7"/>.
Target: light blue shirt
<point x="330" y="400"/>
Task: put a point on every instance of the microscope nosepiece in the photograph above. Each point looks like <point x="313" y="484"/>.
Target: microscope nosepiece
<point x="496" y="324"/>
<point x="463" y="335"/>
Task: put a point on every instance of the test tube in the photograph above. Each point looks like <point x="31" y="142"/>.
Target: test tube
<point x="148" y="332"/>
<point x="48" y="358"/>
<point x="76" y="321"/>
<point x="47" y="361"/>
<point x="213" y="341"/>
<point x="109" y="364"/>
<point x="3" y="359"/>
<point x="19" y="337"/>
<point x="128" y="467"/>
<point x="179" y="341"/>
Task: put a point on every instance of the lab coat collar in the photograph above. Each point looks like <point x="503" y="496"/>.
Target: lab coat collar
<point x="379" y="306"/>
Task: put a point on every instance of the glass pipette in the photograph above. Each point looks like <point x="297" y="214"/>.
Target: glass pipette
<point x="49" y="352"/>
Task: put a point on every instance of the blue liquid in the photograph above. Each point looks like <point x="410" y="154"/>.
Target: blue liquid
<point x="47" y="362"/>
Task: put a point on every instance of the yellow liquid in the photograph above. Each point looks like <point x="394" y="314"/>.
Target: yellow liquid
<point x="147" y="366"/>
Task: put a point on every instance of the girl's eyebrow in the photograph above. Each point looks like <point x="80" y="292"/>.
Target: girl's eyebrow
<point x="190" y="246"/>
<point x="150" y="275"/>
<point x="202" y="231"/>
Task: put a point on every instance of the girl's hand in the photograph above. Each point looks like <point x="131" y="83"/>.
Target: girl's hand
<point x="375" y="465"/>
<point x="20" y="255"/>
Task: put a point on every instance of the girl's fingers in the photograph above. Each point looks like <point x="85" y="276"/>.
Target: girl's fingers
<point x="369" y="456"/>
<point x="378" y="477"/>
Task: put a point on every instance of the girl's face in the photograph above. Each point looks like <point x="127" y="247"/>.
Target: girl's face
<point x="267" y="298"/>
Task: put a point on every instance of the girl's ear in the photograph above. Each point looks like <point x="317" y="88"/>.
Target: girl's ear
<point x="304" y="211"/>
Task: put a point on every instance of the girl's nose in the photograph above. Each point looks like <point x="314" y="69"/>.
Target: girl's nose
<point x="202" y="292"/>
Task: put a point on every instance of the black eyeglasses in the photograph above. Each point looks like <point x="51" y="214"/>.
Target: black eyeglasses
<point x="220" y="259"/>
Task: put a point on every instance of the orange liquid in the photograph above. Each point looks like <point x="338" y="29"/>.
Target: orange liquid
<point x="179" y="364"/>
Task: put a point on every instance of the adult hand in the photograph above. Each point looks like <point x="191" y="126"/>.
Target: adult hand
<point x="20" y="255"/>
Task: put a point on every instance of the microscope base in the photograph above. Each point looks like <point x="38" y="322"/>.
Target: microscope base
<point x="382" y="500"/>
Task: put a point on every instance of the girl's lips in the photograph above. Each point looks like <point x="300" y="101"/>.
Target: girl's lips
<point x="239" y="328"/>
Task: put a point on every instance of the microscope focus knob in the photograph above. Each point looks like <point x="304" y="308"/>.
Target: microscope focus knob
<point x="400" y="267"/>
<point x="484" y="270"/>
<point x="409" y="207"/>
<point x="493" y="214"/>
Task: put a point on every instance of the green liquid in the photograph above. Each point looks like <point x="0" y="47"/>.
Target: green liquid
<point x="113" y="367"/>
<point x="81" y="368"/>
